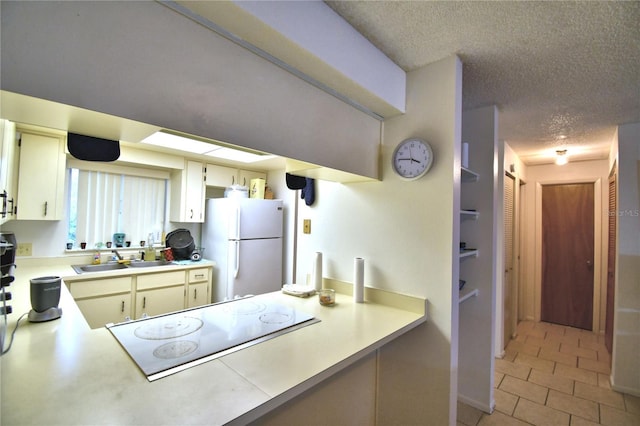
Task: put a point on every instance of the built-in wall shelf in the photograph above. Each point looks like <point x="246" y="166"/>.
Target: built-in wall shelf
<point x="467" y="293"/>
<point x="469" y="214"/>
<point x="468" y="253"/>
<point x="468" y="175"/>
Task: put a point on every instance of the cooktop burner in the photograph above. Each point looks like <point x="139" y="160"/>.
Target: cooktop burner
<point x="166" y="344"/>
<point x="168" y="328"/>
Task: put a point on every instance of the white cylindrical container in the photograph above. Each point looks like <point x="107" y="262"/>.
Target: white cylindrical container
<point x="465" y="155"/>
<point x="317" y="271"/>
<point x="358" y="280"/>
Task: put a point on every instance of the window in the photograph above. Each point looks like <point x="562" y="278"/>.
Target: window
<point x="103" y="203"/>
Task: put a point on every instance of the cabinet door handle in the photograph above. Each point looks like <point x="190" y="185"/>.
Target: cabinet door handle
<point x="46" y="206"/>
<point x="144" y="302"/>
<point x="195" y="293"/>
<point x="191" y="214"/>
<point x="199" y="275"/>
<point x="122" y="309"/>
<point x="3" y="213"/>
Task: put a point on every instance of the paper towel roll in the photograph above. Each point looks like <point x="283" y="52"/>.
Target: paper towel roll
<point x="358" y="280"/>
<point x="465" y="155"/>
<point x="317" y="271"/>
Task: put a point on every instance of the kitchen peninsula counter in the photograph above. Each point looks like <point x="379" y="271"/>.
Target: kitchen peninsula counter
<point x="62" y="372"/>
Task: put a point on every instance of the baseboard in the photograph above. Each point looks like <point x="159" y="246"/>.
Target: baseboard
<point x="624" y="389"/>
<point x="476" y="404"/>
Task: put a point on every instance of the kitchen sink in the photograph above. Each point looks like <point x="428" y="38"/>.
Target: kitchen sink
<point x="81" y="269"/>
<point x="147" y="264"/>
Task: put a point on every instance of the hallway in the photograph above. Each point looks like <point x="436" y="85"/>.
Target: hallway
<point x="554" y="375"/>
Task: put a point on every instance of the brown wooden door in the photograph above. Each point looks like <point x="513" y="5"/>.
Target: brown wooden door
<point x="567" y="254"/>
<point x="611" y="264"/>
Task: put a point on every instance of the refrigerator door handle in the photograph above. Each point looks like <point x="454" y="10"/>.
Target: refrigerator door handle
<point x="237" y="236"/>
<point x="237" y="260"/>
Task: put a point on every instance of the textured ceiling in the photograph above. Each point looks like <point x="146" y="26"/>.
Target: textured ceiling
<point x="563" y="74"/>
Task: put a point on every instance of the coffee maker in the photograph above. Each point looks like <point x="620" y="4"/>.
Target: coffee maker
<point x="45" y="295"/>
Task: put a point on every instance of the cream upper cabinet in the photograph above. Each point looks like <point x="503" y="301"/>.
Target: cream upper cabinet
<point x="221" y="176"/>
<point x="41" y="177"/>
<point x="224" y="176"/>
<point x="245" y="176"/>
<point x="187" y="193"/>
<point x="8" y="170"/>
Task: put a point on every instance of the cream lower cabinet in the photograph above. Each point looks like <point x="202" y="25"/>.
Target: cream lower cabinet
<point x="113" y="300"/>
<point x="198" y="287"/>
<point x="160" y="293"/>
<point x="103" y="301"/>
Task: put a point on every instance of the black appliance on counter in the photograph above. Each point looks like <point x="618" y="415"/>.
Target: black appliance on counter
<point x="8" y="246"/>
<point x="45" y="296"/>
<point x="182" y="245"/>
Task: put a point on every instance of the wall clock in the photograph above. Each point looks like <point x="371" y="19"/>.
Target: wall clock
<point x="412" y="158"/>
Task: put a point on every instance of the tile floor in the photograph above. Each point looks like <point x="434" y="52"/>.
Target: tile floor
<point x="554" y="375"/>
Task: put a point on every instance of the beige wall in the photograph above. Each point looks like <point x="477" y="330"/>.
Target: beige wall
<point x="404" y="231"/>
<point x="584" y="171"/>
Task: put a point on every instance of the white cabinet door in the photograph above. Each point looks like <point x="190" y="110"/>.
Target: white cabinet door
<point x="41" y="177"/>
<point x="187" y="193"/>
<point x="221" y="176"/>
<point x="8" y="170"/>
<point x="194" y="199"/>
<point x="99" y="311"/>
<point x="159" y="301"/>
<point x="245" y="176"/>
<point x="197" y="295"/>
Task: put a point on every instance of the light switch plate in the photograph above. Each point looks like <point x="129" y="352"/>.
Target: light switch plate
<point x="306" y="226"/>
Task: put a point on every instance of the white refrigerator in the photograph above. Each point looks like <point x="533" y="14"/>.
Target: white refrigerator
<point x="244" y="237"/>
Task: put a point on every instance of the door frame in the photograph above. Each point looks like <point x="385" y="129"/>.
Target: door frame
<point x="597" y="246"/>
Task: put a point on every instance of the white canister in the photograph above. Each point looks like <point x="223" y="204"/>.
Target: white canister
<point x="317" y="271"/>
<point x="358" y="280"/>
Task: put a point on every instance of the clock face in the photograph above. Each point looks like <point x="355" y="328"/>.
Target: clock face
<point x="412" y="158"/>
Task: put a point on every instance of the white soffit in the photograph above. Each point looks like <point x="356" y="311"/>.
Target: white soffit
<point x="311" y="38"/>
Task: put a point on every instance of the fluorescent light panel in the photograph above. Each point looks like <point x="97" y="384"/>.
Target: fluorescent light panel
<point x="187" y="144"/>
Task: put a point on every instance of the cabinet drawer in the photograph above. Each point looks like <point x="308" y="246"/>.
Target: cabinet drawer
<point x="100" y="287"/>
<point x="197" y="275"/>
<point x="162" y="279"/>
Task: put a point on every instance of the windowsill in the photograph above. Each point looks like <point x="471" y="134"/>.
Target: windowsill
<point x="121" y="250"/>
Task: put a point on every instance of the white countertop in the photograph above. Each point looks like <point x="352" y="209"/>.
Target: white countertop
<point x="62" y="372"/>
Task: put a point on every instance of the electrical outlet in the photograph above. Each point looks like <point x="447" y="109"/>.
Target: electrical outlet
<point x="24" y="249"/>
<point x="306" y="226"/>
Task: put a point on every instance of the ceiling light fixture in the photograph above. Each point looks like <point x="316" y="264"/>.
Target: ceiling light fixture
<point x="202" y="146"/>
<point x="561" y="157"/>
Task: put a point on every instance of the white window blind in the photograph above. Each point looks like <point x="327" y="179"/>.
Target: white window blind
<point x="106" y="203"/>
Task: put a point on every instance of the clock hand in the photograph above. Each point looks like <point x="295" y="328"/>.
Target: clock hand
<point x="414" y="160"/>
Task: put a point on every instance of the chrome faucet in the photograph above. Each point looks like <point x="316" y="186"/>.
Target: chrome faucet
<point x="117" y="254"/>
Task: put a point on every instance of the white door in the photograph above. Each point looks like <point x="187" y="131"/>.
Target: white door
<point x="254" y="267"/>
<point x="508" y="291"/>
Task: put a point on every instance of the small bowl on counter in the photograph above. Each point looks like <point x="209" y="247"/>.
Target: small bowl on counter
<point x="327" y="297"/>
